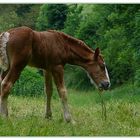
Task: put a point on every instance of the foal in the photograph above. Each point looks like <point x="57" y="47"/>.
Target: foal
<point x="49" y="51"/>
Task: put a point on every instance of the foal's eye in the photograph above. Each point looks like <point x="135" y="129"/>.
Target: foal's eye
<point x="102" y="67"/>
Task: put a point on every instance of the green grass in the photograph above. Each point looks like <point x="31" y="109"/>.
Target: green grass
<point x="26" y="115"/>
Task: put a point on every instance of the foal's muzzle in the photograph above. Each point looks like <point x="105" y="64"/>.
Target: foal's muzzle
<point x="104" y="85"/>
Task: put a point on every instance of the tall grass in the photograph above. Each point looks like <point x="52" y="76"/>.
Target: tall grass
<point x="26" y="115"/>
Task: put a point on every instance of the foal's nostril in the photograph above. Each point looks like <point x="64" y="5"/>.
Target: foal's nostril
<point x="105" y="84"/>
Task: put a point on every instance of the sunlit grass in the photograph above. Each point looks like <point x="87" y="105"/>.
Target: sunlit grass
<point x="26" y="115"/>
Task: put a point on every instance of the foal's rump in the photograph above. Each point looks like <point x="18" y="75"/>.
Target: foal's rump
<point x="19" y="46"/>
<point x="27" y="46"/>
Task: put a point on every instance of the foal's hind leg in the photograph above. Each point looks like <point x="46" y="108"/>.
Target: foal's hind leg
<point x="2" y="103"/>
<point x="6" y="85"/>
<point x="48" y="91"/>
<point x="2" y="75"/>
<point x="58" y="74"/>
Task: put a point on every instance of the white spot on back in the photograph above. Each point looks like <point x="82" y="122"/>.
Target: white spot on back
<point x="4" y="38"/>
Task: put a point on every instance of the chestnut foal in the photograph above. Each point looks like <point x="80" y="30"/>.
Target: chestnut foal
<point x="50" y="51"/>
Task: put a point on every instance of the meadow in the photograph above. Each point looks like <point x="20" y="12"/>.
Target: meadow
<point x="26" y="115"/>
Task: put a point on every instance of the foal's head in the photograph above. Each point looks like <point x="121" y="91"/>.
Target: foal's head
<point x="97" y="71"/>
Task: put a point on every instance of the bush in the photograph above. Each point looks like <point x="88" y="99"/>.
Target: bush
<point x="76" y="78"/>
<point x="30" y="83"/>
<point x="137" y="78"/>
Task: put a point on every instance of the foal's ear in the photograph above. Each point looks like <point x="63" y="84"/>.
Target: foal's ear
<point x="96" y="54"/>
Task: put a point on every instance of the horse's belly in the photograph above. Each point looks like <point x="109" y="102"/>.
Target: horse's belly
<point x="38" y="63"/>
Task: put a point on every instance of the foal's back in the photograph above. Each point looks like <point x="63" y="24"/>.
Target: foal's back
<point x="44" y="48"/>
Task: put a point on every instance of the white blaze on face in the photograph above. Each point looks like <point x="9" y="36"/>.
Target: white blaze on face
<point x="4" y="38"/>
<point x="107" y="75"/>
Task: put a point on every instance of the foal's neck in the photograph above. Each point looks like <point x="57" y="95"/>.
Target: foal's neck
<point x="80" y="54"/>
<point x="77" y="52"/>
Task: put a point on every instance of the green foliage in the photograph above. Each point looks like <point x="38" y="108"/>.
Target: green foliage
<point x="73" y="19"/>
<point x="86" y="32"/>
<point x="14" y="15"/>
<point x="8" y="17"/>
<point x="137" y="78"/>
<point x="116" y="42"/>
<point x="119" y="55"/>
<point x="52" y="16"/>
<point x="27" y="18"/>
<point x="30" y="83"/>
<point x="77" y="78"/>
<point x="22" y="9"/>
<point x="41" y="23"/>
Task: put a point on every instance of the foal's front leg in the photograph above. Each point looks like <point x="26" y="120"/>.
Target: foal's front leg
<point x="48" y="91"/>
<point x="58" y="74"/>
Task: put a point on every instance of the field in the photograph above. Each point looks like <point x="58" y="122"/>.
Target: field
<point x="113" y="28"/>
<point x="26" y="115"/>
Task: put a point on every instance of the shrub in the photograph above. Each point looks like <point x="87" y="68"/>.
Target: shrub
<point x="76" y="78"/>
<point x="30" y="83"/>
<point x="137" y="78"/>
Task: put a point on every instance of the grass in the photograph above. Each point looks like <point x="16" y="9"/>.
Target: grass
<point x="26" y="115"/>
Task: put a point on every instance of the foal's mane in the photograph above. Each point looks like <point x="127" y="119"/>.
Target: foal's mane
<point x="76" y="46"/>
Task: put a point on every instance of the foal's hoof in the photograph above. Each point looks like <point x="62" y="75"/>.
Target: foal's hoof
<point x="4" y="114"/>
<point x="49" y="117"/>
<point x="73" y="122"/>
<point x="68" y="119"/>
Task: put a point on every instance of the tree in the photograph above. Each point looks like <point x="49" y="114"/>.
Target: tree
<point x="73" y="19"/>
<point x="22" y="9"/>
<point x="18" y="15"/>
<point x="27" y="14"/>
<point x="52" y="16"/>
<point x="8" y="17"/>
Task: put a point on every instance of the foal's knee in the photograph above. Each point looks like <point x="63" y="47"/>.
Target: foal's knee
<point x="63" y="94"/>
